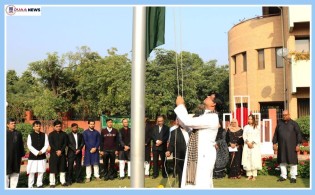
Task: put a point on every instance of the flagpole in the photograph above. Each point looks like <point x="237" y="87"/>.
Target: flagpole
<point x="137" y="96"/>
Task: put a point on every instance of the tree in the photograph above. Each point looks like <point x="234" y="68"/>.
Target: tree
<point x="115" y="84"/>
<point x="85" y="67"/>
<point x="19" y="92"/>
<point x="44" y="107"/>
<point x="87" y="85"/>
<point x="54" y="77"/>
<point x="49" y="71"/>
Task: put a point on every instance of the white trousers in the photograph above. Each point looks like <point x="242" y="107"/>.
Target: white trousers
<point x="122" y="168"/>
<point x="251" y="173"/>
<point x="12" y="180"/>
<point x="293" y="170"/>
<point x="52" y="178"/>
<point x="146" y="168"/>
<point x="39" y="181"/>
<point x="89" y="171"/>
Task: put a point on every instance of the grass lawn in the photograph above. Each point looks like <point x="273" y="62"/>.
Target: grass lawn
<point x="261" y="182"/>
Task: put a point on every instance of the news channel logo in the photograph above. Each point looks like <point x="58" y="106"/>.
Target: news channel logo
<point x="10" y="10"/>
<point x="23" y="10"/>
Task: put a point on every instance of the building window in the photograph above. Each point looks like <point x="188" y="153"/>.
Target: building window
<point x="261" y="59"/>
<point x="265" y="106"/>
<point x="279" y="59"/>
<point x="234" y="63"/>
<point x="244" y="61"/>
<point x="303" y="105"/>
<point x="302" y="44"/>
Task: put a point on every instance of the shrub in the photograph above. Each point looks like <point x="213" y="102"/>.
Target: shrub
<point x="269" y="166"/>
<point x="304" y="124"/>
<point x="304" y="169"/>
<point x="23" y="180"/>
<point x="25" y="130"/>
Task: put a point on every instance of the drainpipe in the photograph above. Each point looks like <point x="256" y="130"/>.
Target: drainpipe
<point x="286" y="106"/>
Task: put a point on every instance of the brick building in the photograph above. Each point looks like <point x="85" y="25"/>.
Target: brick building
<point x="265" y="61"/>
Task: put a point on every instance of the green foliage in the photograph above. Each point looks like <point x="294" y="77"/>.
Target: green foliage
<point x="23" y="179"/>
<point x="304" y="169"/>
<point x="304" y="124"/>
<point x="25" y="130"/>
<point x="304" y="148"/>
<point x="87" y="85"/>
<point x="49" y="71"/>
<point x="68" y="130"/>
<point x="19" y="92"/>
<point x="269" y="166"/>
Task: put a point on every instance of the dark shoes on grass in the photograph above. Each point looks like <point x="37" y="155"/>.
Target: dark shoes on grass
<point x="281" y="179"/>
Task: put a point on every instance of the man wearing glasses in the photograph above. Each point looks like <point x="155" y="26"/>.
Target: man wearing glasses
<point x="160" y="135"/>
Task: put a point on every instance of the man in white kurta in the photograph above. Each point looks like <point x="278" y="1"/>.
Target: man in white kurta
<point x="207" y="125"/>
<point x="37" y="143"/>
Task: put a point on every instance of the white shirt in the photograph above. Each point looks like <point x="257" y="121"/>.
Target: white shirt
<point x="109" y="129"/>
<point x="75" y="135"/>
<point x="171" y="129"/>
<point x="186" y="136"/>
<point x="35" y="166"/>
<point x="33" y="150"/>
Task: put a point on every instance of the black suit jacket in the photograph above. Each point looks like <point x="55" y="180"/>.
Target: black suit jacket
<point x="71" y="144"/>
<point x="177" y="139"/>
<point x="163" y="135"/>
<point x="147" y="139"/>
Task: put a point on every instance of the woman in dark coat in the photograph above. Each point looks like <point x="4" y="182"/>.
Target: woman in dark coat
<point x="234" y="139"/>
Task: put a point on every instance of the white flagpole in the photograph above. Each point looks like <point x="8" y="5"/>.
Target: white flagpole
<point x="137" y="96"/>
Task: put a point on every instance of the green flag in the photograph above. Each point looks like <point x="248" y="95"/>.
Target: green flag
<point x="155" y="28"/>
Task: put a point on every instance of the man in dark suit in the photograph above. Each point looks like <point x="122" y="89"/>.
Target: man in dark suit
<point x="75" y="145"/>
<point x="160" y="135"/>
<point x="147" y="148"/>
<point x="177" y="146"/>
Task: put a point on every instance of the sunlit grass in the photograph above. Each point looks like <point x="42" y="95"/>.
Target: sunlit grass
<point x="261" y="182"/>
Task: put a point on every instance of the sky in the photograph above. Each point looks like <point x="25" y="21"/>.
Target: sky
<point x="198" y="29"/>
